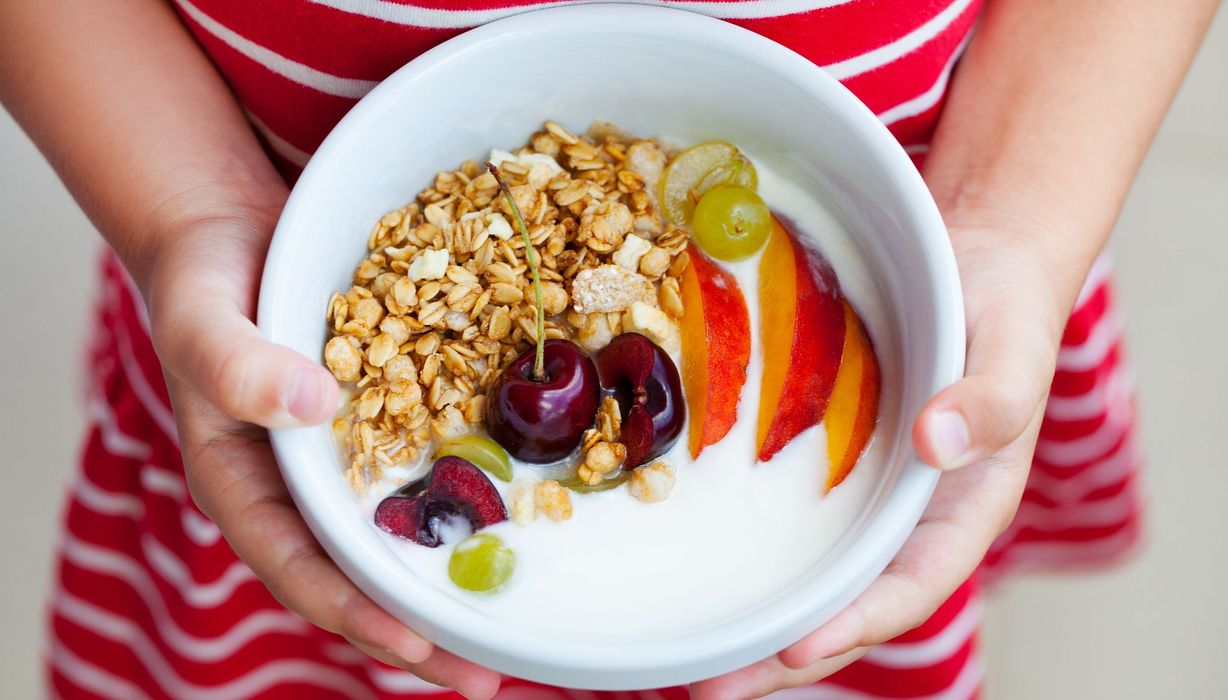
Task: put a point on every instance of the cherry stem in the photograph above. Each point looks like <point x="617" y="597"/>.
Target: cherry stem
<point x="539" y="362"/>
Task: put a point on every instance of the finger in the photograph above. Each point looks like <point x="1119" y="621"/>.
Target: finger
<point x="768" y="676"/>
<point x="235" y="482"/>
<point x="468" y="679"/>
<point x="970" y="508"/>
<point x="445" y="670"/>
<point x="1009" y="370"/>
<point x="215" y="349"/>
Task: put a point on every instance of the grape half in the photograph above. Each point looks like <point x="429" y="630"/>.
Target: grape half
<point x="480" y="451"/>
<point x="481" y="563"/>
<point x="731" y="222"/>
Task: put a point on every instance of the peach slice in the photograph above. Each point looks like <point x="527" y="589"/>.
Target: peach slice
<point x="715" y="330"/>
<point x="802" y="325"/>
<point x="853" y="410"/>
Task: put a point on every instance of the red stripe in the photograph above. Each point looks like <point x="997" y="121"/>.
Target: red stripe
<point x="324" y="38"/>
<point x="1086" y="316"/>
<point x="1068" y="382"/>
<point x="911" y="75"/>
<point x="943" y="616"/>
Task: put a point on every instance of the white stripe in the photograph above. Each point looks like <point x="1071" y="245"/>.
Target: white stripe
<point x="163" y="482"/>
<point x="923" y="102"/>
<point x="1099" y="273"/>
<point x="291" y="70"/>
<point x="171" y="568"/>
<point x="123" y="631"/>
<point x="1100" y="513"/>
<point x="1109" y="390"/>
<point x="114" y="440"/>
<point x="963" y="687"/>
<point x="138" y="301"/>
<point x="86" y="675"/>
<point x="937" y="648"/>
<point x="106" y="561"/>
<point x="916" y="148"/>
<point x="282" y="147"/>
<point x="107" y="502"/>
<point x="906" y="44"/>
<point x="198" y="528"/>
<point x="434" y="18"/>
<point x="1095" y="445"/>
<point x="202" y="650"/>
<point x="141" y="388"/>
<point x="1036" y="555"/>
<point x="397" y="681"/>
<point x="1101" y="339"/>
<point x="1106" y="472"/>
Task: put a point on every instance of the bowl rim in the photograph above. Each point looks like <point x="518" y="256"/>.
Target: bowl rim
<point x="744" y="639"/>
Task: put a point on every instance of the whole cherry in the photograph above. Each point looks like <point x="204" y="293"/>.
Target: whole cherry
<point x="542" y="419"/>
<point x="543" y="402"/>
<point x="645" y="382"/>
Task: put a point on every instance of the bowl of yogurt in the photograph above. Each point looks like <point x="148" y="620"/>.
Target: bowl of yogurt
<point x="746" y="519"/>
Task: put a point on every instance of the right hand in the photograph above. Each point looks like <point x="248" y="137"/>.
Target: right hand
<point x="227" y="384"/>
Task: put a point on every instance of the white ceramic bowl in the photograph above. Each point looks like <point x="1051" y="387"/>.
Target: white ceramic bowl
<point x="652" y="71"/>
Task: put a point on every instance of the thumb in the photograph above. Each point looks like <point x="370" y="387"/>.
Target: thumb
<point x="1010" y="367"/>
<point x="217" y="350"/>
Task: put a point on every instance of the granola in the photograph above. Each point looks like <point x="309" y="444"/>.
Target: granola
<point x="443" y="300"/>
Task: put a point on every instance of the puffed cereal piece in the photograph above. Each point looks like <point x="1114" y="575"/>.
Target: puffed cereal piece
<point x="521" y="504"/>
<point x="607" y="288"/>
<point x="343" y="356"/>
<point x="552" y="500"/>
<point x="652" y="483"/>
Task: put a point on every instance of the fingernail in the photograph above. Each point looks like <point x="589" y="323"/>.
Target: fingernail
<point x="306" y="395"/>
<point x="951" y="439"/>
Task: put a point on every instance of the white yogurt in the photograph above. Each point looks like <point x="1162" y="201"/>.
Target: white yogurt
<point x="732" y="534"/>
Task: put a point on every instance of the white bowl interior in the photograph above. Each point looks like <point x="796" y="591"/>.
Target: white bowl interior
<point x="652" y="72"/>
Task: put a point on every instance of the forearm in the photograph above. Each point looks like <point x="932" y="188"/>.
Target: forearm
<point x="1050" y="115"/>
<point x="132" y="116"/>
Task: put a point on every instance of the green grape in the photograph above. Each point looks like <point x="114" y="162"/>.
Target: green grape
<point x="481" y="563"/>
<point x="574" y="484"/>
<point x="481" y="452"/>
<point x="731" y="222"/>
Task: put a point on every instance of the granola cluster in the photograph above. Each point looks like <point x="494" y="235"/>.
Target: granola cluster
<point x="444" y="299"/>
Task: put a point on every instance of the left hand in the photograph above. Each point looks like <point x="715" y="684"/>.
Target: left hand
<point x="981" y="431"/>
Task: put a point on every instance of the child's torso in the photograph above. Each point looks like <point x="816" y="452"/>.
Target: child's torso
<point x="299" y="65"/>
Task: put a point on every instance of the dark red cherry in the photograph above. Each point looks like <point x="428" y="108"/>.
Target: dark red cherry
<point x="455" y="489"/>
<point x="542" y="420"/>
<point x="644" y="381"/>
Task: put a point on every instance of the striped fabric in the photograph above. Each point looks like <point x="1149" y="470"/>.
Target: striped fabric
<point x="151" y="602"/>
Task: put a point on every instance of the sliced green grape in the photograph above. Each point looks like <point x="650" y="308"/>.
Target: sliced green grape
<point x="731" y="222"/>
<point x="685" y="171"/>
<point x="739" y="171"/>
<point x="481" y="563"/>
<point x="574" y="484"/>
<point x="481" y="451"/>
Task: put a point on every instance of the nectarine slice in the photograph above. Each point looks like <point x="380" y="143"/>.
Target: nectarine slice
<point x="853" y="410"/>
<point x="715" y="330"/>
<point x="802" y="326"/>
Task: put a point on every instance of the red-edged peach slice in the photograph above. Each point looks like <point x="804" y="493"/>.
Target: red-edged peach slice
<point x="802" y="325"/>
<point x="715" y="330"/>
<point x="853" y="409"/>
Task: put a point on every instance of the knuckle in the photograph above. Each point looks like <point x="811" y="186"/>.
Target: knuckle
<point x="236" y="386"/>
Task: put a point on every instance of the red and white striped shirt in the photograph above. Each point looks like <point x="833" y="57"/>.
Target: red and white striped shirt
<point x="152" y="603"/>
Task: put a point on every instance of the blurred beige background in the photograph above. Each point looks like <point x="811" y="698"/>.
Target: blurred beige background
<point x="1154" y="628"/>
